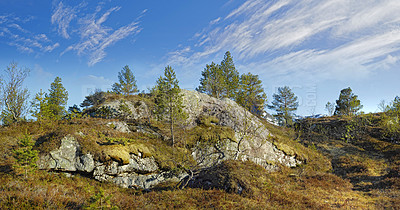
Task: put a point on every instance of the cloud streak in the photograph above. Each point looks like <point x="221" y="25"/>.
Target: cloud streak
<point x="14" y="33"/>
<point x="94" y="35"/>
<point x="296" y="37"/>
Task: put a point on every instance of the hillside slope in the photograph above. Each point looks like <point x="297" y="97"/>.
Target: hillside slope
<point x="224" y="158"/>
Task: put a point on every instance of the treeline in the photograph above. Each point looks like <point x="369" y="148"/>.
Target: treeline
<point x="219" y="80"/>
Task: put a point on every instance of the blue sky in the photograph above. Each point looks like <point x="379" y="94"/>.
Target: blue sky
<point x="317" y="47"/>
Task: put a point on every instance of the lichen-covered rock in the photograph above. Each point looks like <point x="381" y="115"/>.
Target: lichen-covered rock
<point x="251" y="136"/>
<point x="134" y="110"/>
<point x="67" y="158"/>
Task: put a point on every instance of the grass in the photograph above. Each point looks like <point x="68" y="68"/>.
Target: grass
<point x="357" y="173"/>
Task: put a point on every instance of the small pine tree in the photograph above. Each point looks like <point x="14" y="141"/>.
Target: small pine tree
<point x="285" y="103"/>
<point x="231" y="76"/>
<point x="168" y="100"/>
<point x="348" y="103"/>
<point x="94" y="99"/>
<point x="127" y="83"/>
<point x="212" y="81"/>
<point x="251" y="95"/>
<point x="220" y="81"/>
<point x="25" y="155"/>
<point x="330" y="107"/>
<point x="41" y="108"/>
<point x="57" y="99"/>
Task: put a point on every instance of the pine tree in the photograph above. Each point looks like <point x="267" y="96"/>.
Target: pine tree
<point x="285" y="103"/>
<point x="348" y="103"/>
<point x="169" y="101"/>
<point x="94" y="99"/>
<point x="40" y="107"/>
<point x="57" y="98"/>
<point x="231" y="76"/>
<point x="25" y="155"/>
<point x="14" y="97"/>
<point x="220" y="81"/>
<point x="251" y="95"/>
<point x="212" y="82"/>
<point x="396" y="104"/>
<point x="330" y="107"/>
<point x="127" y="83"/>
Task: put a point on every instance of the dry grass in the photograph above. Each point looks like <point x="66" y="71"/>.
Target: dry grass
<point x="366" y="171"/>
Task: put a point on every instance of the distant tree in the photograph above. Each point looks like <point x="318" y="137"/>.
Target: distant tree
<point x="251" y="95"/>
<point x="168" y="100"/>
<point x="396" y="104"/>
<point x="231" y="76"/>
<point x="14" y="97"/>
<point x="330" y="107"/>
<point x="220" y="80"/>
<point x="348" y="103"/>
<point x="127" y="83"/>
<point x="94" y="99"/>
<point x="285" y="103"/>
<point x="57" y="98"/>
<point x="25" y="155"/>
<point x="212" y="82"/>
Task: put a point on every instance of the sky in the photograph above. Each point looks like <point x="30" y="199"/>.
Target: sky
<point x="316" y="47"/>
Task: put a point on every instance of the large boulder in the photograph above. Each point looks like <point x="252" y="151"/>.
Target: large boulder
<point x="67" y="157"/>
<point x="251" y="136"/>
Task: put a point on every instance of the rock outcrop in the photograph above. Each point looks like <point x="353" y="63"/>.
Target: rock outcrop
<point x="252" y="138"/>
<point x="139" y="172"/>
<point x="250" y="141"/>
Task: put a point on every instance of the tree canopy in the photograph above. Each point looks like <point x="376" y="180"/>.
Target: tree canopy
<point x="285" y="103"/>
<point x="348" y="103"/>
<point x="220" y="81"/>
<point x="251" y="95"/>
<point x="57" y="98"/>
<point x="94" y="99"/>
<point x="168" y="100"/>
<point x="127" y="82"/>
<point x="13" y="96"/>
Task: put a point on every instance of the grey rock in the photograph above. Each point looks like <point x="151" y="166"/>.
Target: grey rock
<point x="119" y="126"/>
<point x="252" y="137"/>
<point x="67" y="158"/>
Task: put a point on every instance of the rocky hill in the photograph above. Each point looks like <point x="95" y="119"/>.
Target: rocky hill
<point x="120" y="156"/>
<point x="218" y="130"/>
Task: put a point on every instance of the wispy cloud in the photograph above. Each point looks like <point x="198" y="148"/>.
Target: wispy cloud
<point x="289" y="37"/>
<point x="14" y="33"/>
<point x="94" y="35"/>
<point x="62" y="17"/>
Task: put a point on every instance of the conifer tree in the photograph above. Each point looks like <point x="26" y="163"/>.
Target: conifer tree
<point x="231" y="76"/>
<point x="127" y="83"/>
<point x="169" y="101"/>
<point x="25" y="155"/>
<point x="212" y="81"/>
<point x="41" y="108"/>
<point x="348" y="103"/>
<point x="57" y="98"/>
<point x="251" y="95"/>
<point x="94" y="99"/>
<point x="330" y="107"/>
<point x="285" y="103"/>
<point x="220" y="81"/>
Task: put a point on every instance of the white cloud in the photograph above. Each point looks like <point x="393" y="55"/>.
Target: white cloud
<point x="15" y="34"/>
<point x="94" y="35"/>
<point x="303" y="37"/>
<point x="62" y="17"/>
